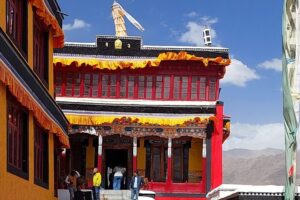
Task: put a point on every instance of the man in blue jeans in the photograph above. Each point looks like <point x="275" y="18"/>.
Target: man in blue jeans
<point x="135" y="185"/>
<point x="117" y="178"/>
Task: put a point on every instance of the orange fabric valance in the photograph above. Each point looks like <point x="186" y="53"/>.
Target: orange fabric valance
<point x="18" y="90"/>
<point x="49" y="20"/>
<point x="136" y="64"/>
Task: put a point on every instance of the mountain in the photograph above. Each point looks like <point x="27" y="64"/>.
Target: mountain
<point x="255" y="167"/>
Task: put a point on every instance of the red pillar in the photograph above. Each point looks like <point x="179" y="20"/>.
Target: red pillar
<point x="100" y="153"/>
<point x="204" y="166"/>
<point x="216" y="148"/>
<point x="169" y="167"/>
<point x="134" y="152"/>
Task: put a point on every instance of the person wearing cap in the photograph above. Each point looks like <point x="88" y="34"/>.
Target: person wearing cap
<point x="96" y="184"/>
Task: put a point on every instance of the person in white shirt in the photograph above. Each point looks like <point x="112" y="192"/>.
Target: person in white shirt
<point x="117" y="178"/>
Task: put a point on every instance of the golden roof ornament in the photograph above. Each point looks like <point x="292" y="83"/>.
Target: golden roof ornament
<point x="118" y="14"/>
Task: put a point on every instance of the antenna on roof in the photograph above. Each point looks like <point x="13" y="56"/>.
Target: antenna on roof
<point x="207" y="37"/>
<point x="118" y="14"/>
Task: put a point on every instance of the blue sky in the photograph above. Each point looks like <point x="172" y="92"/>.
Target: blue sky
<point x="251" y="29"/>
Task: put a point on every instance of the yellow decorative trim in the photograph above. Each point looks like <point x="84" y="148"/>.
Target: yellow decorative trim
<point x="49" y="20"/>
<point x="136" y="64"/>
<point x="158" y="121"/>
<point x="25" y="98"/>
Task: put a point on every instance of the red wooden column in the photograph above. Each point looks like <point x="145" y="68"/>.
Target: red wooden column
<point x="216" y="148"/>
<point x="134" y="152"/>
<point x="169" y="167"/>
<point x="204" y="166"/>
<point x="100" y="140"/>
<point x="63" y="170"/>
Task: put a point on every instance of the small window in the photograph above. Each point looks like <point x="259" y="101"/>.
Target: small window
<point x="123" y="81"/>
<point x="130" y="86"/>
<point x="69" y="84"/>
<point x="167" y="87"/>
<point x="113" y="85"/>
<point x="40" y="50"/>
<point x="17" y="138"/>
<point x="194" y="88"/>
<point x="95" y="85"/>
<point x="176" y="87"/>
<point x="141" y="88"/>
<point x="58" y="83"/>
<point x="16" y="23"/>
<point x="105" y="85"/>
<point x="212" y="89"/>
<point x="202" y="88"/>
<point x="77" y="81"/>
<point x="87" y="85"/>
<point x="40" y="156"/>
<point x="149" y="88"/>
<point x="158" y="87"/>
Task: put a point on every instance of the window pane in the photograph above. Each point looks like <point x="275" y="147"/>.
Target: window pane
<point x="176" y="87"/>
<point x="184" y="88"/>
<point x="58" y="83"/>
<point x="76" y="85"/>
<point x="95" y="85"/>
<point x="130" y="86"/>
<point x="166" y="87"/>
<point x="141" y="91"/>
<point x="104" y="85"/>
<point x="69" y="84"/>
<point x="87" y="85"/>
<point x="149" y="87"/>
<point x="194" y="86"/>
<point x="212" y="89"/>
<point x="158" y="93"/>
<point x="202" y="88"/>
<point x="123" y="86"/>
<point x="113" y="85"/>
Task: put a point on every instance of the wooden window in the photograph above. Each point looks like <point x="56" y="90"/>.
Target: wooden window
<point x="69" y="84"/>
<point x="158" y="87"/>
<point x="87" y="85"/>
<point x="212" y="85"/>
<point x="149" y="88"/>
<point x="123" y="86"/>
<point x="105" y="79"/>
<point x="167" y="87"/>
<point x="176" y="93"/>
<point x="141" y="87"/>
<point x="58" y="83"/>
<point x="184" y="88"/>
<point x="17" y="138"/>
<point x="77" y="83"/>
<point x="113" y="86"/>
<point x="202" y="88"/>
<point x="16" y="23"/>
<point x="95" y="85"/>
<point x="40" y="50"/>
<point x="194" y="88"/>
<point x="130" y="86"/>
<point x="40" y="156"/>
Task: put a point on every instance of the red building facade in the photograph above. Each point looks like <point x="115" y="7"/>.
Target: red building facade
<point x="154" y="109"/>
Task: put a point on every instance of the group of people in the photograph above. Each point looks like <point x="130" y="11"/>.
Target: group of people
<point x="75" y="184"/>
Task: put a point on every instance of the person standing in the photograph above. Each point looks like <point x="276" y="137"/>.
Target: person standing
<point x="71" y="182"/>
<point x="117" y="178"/>
<point x="96" y="184"/>
<point x="135" y="185"/>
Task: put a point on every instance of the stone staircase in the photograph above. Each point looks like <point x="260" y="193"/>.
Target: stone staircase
<point x="115" y="194"/>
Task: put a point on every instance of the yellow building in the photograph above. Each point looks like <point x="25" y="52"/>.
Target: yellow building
<point x="33" y="129"/>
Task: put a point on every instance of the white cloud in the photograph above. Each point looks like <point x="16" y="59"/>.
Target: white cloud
<point x="255" y="136"/>
<point x="192" y="14"/>
<point x="77" y="24"/>
<point x="194" y="32"/>
<point x="238" y="73"/>
<point x="275" y="64"/>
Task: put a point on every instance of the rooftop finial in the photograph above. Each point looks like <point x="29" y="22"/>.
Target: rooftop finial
<point x="118" y="14"/>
